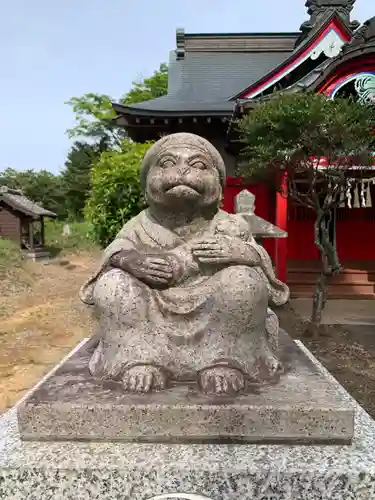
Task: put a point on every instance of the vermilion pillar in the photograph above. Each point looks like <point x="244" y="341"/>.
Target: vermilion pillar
<point x="281" y="221"/>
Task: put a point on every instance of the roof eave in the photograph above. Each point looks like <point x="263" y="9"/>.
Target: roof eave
<point x="133" y="111"/>
<point x="20" y="208"/>
<point x="343" y="57"/>
<point x="295" y="54"/>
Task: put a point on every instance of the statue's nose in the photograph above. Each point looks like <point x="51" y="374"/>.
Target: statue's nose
<point x="183" y="168"/>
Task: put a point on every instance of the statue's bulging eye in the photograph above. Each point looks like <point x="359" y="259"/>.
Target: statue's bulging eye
<point x="166" y="163"/>
<point x="199" y="165"/>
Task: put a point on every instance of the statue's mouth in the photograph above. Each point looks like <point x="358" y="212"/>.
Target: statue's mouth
<point x="183" y="190"/>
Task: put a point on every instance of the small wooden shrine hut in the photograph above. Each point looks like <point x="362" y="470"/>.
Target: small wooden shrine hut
<point x="22" y="221"/>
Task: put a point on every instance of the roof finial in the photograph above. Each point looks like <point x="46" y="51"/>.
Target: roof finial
<point x="180" y="42"/>
<point x="317" y="9"/>
<point x="362" y="36"/>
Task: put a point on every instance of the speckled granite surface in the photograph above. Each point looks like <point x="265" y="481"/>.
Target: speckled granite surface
<point x="80" y="471"/>
<point x="302" y="407"/>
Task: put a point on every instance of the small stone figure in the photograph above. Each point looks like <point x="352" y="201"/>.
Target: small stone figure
<point x="182" y="293"/>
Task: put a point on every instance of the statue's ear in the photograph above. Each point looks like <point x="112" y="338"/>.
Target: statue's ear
<point x="220" y="198"/>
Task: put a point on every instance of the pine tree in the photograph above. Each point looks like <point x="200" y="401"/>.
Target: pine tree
<point x="76" y="177"/>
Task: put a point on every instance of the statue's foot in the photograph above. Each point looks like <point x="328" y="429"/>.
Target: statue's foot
<point x="221" y="380"/>
<point x="144" y="378"/>
<point x="272" y="329"/>
<point x="274" y="365"/>
<point x="268" y="367"/>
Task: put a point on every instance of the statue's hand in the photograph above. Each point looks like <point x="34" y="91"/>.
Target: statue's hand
<point x="153" y="270"/>
<point x="156" y="271"/>
<point x="224" y="250"/>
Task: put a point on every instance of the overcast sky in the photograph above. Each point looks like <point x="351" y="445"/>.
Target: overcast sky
<point x="53" y="50"/>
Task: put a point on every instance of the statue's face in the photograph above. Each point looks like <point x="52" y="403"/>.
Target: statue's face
<point x="183" y="176"/>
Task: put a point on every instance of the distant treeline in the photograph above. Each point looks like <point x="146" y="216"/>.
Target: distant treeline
<point x="99" y="181"/>
<point x="64" y="193"/>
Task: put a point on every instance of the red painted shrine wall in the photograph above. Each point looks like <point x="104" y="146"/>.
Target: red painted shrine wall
<point x="355" y="233"/>
<point x="345" y="71"/>
<point x="301" y="233"/>
<point x="355" y="227"/>
<point x="264" y="203"/>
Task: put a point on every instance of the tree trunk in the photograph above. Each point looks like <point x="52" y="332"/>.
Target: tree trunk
<point x="330" y="266"/>
<point x="319" y="302"/>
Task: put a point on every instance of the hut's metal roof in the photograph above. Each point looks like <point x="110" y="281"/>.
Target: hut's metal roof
<point x="16" y="199"/>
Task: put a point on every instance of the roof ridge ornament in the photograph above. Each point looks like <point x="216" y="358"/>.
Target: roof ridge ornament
<point x="319" y="8"/>
<point x="180" y="43"/>
<point x="364" y="35"/>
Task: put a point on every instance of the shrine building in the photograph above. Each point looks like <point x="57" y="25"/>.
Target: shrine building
<point x="215" y="78"/>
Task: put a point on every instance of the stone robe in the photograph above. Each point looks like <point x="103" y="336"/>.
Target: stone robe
<point x="211" y="314"/>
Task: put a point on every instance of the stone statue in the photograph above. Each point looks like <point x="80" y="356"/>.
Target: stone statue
<point x="182" y="293"/>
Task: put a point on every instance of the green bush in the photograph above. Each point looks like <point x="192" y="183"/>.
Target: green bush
<point x="116" y="195"/>
<point x="79" y="238"/>
<point x="10" y="255"/>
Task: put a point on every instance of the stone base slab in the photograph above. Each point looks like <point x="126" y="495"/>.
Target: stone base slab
<point x="38" y="254"/>
<point x="303" y="407"/>
<point x="135" y="471"/>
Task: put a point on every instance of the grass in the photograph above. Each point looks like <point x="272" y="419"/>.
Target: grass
<point x="12" y="260"/>
<point x="14" y="275"/>
<point x="78" y="240"/>
<point x="10" y="255"/>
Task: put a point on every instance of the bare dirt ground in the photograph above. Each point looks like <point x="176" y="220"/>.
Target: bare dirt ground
<point x="41" y="319"/>
<point x="347" y="352"/>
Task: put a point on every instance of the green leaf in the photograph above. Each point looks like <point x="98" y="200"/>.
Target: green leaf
<point x="116" y="195"/>
<point x="289" y="129"/>
<point x="94" y="115"/>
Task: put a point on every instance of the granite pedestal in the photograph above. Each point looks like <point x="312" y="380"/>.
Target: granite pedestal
<point x="136" y="471"/>
<point x="302" y="407"/>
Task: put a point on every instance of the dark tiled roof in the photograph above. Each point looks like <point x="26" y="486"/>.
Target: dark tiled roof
<point x="207" y="81"/>
<point x="173" y="104"/>
<point x="18" y="201"/>
<point x="214" y="77"/>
